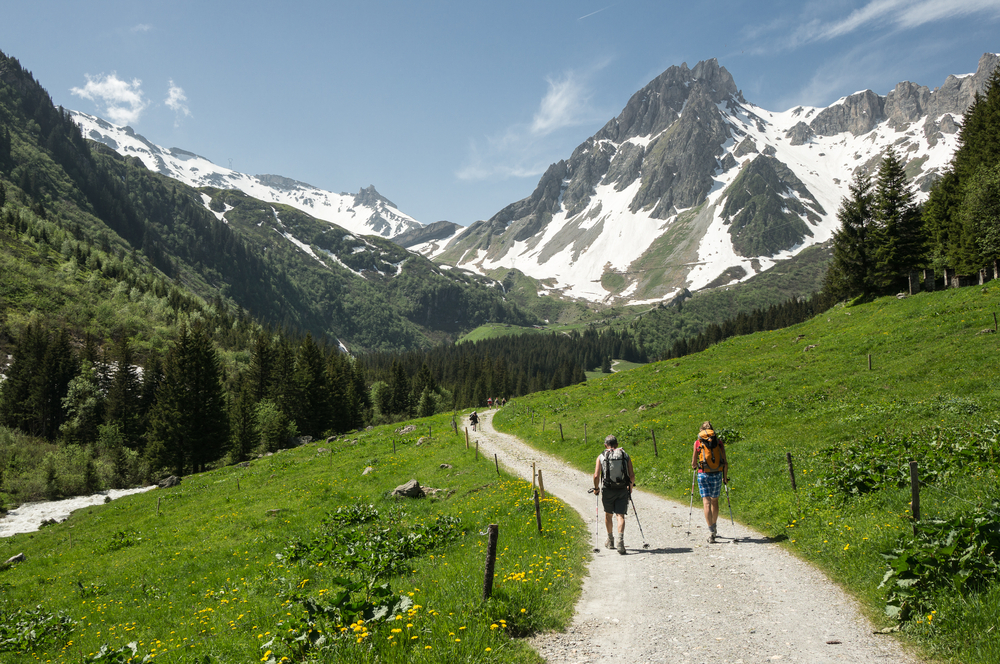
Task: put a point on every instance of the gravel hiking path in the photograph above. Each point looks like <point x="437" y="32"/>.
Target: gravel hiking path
<point x="684" y="600"/>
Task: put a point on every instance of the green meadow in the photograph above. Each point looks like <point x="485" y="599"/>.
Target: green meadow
<point x="302" y="557"/>
<point x="930" y="394"/>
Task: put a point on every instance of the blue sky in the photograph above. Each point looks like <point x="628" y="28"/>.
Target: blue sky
<point x="453" y="109"/>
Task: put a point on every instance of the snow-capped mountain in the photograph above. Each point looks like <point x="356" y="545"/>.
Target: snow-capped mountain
<point x="693" y="186"/>
<point x="364" y="213"/>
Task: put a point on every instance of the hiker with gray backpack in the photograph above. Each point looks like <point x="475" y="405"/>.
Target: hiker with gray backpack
<point x="712" y="469"/>
<point x="614" y="475"/>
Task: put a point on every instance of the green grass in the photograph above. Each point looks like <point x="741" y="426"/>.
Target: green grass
<point x="256" y="564"/>
<point x="933" y="374"/>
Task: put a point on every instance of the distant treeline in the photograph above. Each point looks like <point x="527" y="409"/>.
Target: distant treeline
<point x="774" y="317"/>
<point x="503" y="367"/>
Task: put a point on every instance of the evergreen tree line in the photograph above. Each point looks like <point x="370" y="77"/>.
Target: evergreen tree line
<point x="467" y="374"/>
<point x="774" y="317"/>
<point x="184" y="410"/>
<point x="884" y="235"/>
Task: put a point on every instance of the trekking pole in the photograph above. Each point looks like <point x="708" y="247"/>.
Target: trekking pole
<point x="597" y="519"/>
<point x="730" y="512"/>
<point x="691" y="510"/>
<point x="636" y="513"/>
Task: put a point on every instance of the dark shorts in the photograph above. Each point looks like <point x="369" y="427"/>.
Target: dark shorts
<point x="615" y="501"/>
<point x="710" y="484"/>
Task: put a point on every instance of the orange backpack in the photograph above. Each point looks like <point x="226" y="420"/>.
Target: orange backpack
<point x="709" y="452"/>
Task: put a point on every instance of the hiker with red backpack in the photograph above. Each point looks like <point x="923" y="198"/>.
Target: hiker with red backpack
<point x="709" y="460"/>
<point x="613" y="473"/>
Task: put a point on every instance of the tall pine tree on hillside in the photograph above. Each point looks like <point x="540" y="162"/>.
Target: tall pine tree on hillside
<point x="880" y="238"/>
<point x="953" y="231"/>
<point x="189" y="427"/>
<point x="898" y="237"/>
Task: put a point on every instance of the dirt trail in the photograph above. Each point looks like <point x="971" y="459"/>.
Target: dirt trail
<point x="684" y="600"/>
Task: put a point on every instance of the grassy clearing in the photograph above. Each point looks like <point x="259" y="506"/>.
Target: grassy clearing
<point x="931" y="394"/>
<point x="300" y="557"/>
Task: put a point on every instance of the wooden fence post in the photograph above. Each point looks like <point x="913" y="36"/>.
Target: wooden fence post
<point x="497" y="462"/>
<point x="538" y="513"/>
<point x="653" y="434"/>
<point x="915" y="495"/>
<point x="532" y="475"/>
<point x="466" y="437"/>
<point x="584" y="433"/>
<point x="477" y="450"/>
<point x="541" y="484"/>
<point x="791" y="474"/>
<point x="493" y="534"/>
<point x="560" y="432"/>
<point x="869" y="361"/>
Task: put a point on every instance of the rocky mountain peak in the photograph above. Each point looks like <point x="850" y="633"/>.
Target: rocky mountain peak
<point x="656" y="106"/>
<point x="368" y="197"/>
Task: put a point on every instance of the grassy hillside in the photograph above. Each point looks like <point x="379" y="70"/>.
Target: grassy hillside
<point x="287" y="556"/>
<point x="931" y="394"/>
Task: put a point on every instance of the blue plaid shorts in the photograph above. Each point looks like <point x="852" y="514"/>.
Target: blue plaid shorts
<point x="710" y="484"/>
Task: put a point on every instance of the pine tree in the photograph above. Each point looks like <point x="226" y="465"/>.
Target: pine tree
<point x="954" y="233"/>
<point x="898" y="238"/>
<point x="311" y="410"/>
<point x="980" y="211"/>
<point x="851" y="270"/>
<point x="122" y="403"/>
<point x="188" y="424"/>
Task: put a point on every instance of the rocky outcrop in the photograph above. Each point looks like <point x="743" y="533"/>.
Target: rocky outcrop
<point x="439" y="230"/>
<point x="857" y="114"/>
<point x="799" y="134"/>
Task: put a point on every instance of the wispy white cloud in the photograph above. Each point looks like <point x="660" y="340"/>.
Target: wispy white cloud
<point x="522" y="150"/>
<point x="177" y="102"/>
<point x="813" y="25"/>
<point x="141" y="27"/>
<point x="122" y="101"/>
<point x="564" y="105"/>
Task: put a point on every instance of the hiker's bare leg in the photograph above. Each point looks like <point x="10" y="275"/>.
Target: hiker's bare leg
<point x="711" y="510"/>
<point x="621" y="523"/>
<point x="609" y="521"/>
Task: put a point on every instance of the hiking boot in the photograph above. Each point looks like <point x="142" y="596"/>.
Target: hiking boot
<point x="610" y="542"/>
<point x="621" y="544"/>
<point x="711" y="537"/>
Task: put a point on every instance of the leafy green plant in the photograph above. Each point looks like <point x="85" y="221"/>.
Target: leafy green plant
<point x="25" y="629"/>
<point x="879" y="461"/>
<point x="121" y="539"/>
<point x="958" y="555"/>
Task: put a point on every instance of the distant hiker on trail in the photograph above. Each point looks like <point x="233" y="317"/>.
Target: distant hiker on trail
<point x="614" y="474"/>
<point x="489" y="402"/>
<point x="474" y="419"/>
<point x="709" y="459"/>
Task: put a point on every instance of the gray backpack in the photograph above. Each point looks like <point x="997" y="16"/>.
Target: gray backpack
<point x="614" y="468"/>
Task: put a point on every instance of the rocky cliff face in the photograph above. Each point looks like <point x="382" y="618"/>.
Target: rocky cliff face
<point x="691" y="185"/>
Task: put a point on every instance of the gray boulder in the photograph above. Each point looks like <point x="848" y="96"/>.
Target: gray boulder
<point x="168" y="482"/>
<point x="411" y="489"/>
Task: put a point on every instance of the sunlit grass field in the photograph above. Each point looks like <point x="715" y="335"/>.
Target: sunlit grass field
<point x="300" y="556"/>
<point x="931" y="394"/>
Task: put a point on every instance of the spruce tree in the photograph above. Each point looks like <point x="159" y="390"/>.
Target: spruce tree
<point x="851" y="271"/>
<point x="122" y="403"/>
<point x="953" y="232"/>
<point x="898" y="237"/>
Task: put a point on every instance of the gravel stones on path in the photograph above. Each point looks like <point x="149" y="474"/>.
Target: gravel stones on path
<point x="684" y="600"/>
